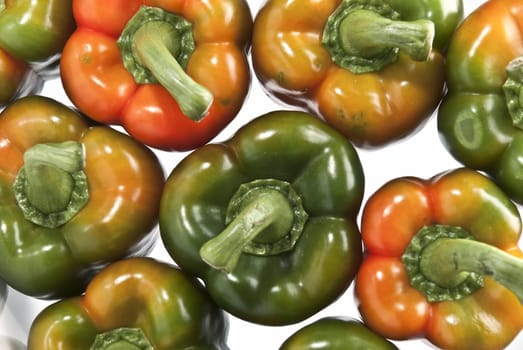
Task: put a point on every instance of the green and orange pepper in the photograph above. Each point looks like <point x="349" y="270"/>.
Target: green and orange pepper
<point x="374" y="70"/>
<point x="442" y="261"/>
<point x="32" y="36"/>
<point x="480" y="118"/>
<point x="135" y="303"/>
<point x="73" y="197"/>
<point x="172" y="73"/>
<point x="336" y="333"/>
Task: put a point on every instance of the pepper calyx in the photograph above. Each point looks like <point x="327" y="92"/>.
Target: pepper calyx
<point x="455" y="285"/>
<point x="445" y="263"/>
<point x="365" y="36"/>
<point x="51" y="187"/>
<point x="155" y="46"/>
<point x="122" y="339"/>
<point x="264" y="217"/>
<point x="513" y="91"/>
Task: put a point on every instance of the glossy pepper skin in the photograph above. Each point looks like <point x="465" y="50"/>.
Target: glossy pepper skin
<point x="478" y="122"/>
<point x="32" y="36"/>
<point x="172" y="310"/>
<point x="139" y="89"/>
<point x="45" y="258"/>
<point x="332" y="333"/>
<point x="269" y="180"/>
<point x="371" y="107"/>
<point x="486" y="316"/>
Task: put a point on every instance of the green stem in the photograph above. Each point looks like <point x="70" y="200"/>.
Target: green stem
<point x="265" y="217"/>
<point x="450" y="261"/>
<point x="51" y="187"/>
<point x="365" y="36"/>
<point x="122" y="339"/>
<point x="155" y="47"/>
<point x="513" y="90"/>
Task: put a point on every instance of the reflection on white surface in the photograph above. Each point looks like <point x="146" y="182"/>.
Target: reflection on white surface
<point x="426" y="157"/>
<point x="9" y="343"/>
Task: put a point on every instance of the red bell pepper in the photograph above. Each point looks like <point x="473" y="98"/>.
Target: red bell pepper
<point x="172" y="73"/>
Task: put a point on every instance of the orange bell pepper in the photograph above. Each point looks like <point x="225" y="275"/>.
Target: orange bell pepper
<point x="442" y="261"/>
<point x="372" y="69"/>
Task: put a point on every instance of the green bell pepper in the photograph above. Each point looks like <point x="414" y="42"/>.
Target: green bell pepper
<point x="73" y="197"/>
<point x="480" y="118"/>
<point x="268" y="218"/>
<point x="133" y="304"/>
<point x="32" y="36"/>
<point x="331" y="333"/>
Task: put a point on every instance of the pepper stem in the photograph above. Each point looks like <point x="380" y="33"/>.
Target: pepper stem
<point x="51" y="187"/>
<point x="364" y="36"/>
<point x="513" y="89"/>
<point x="265" y="217"/>
<point x="122" y="339"/>
<point x="155" y="46"/>
<point x="449" y="264"/>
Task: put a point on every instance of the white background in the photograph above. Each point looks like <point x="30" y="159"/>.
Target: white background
<point x="420" y="155"/>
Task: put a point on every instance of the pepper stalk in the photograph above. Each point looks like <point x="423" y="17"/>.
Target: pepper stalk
<point x="365" y="36"/>
<point x="264" y="217"/>
<point x="445" y="263"/>
<point x="155" y="46"/>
